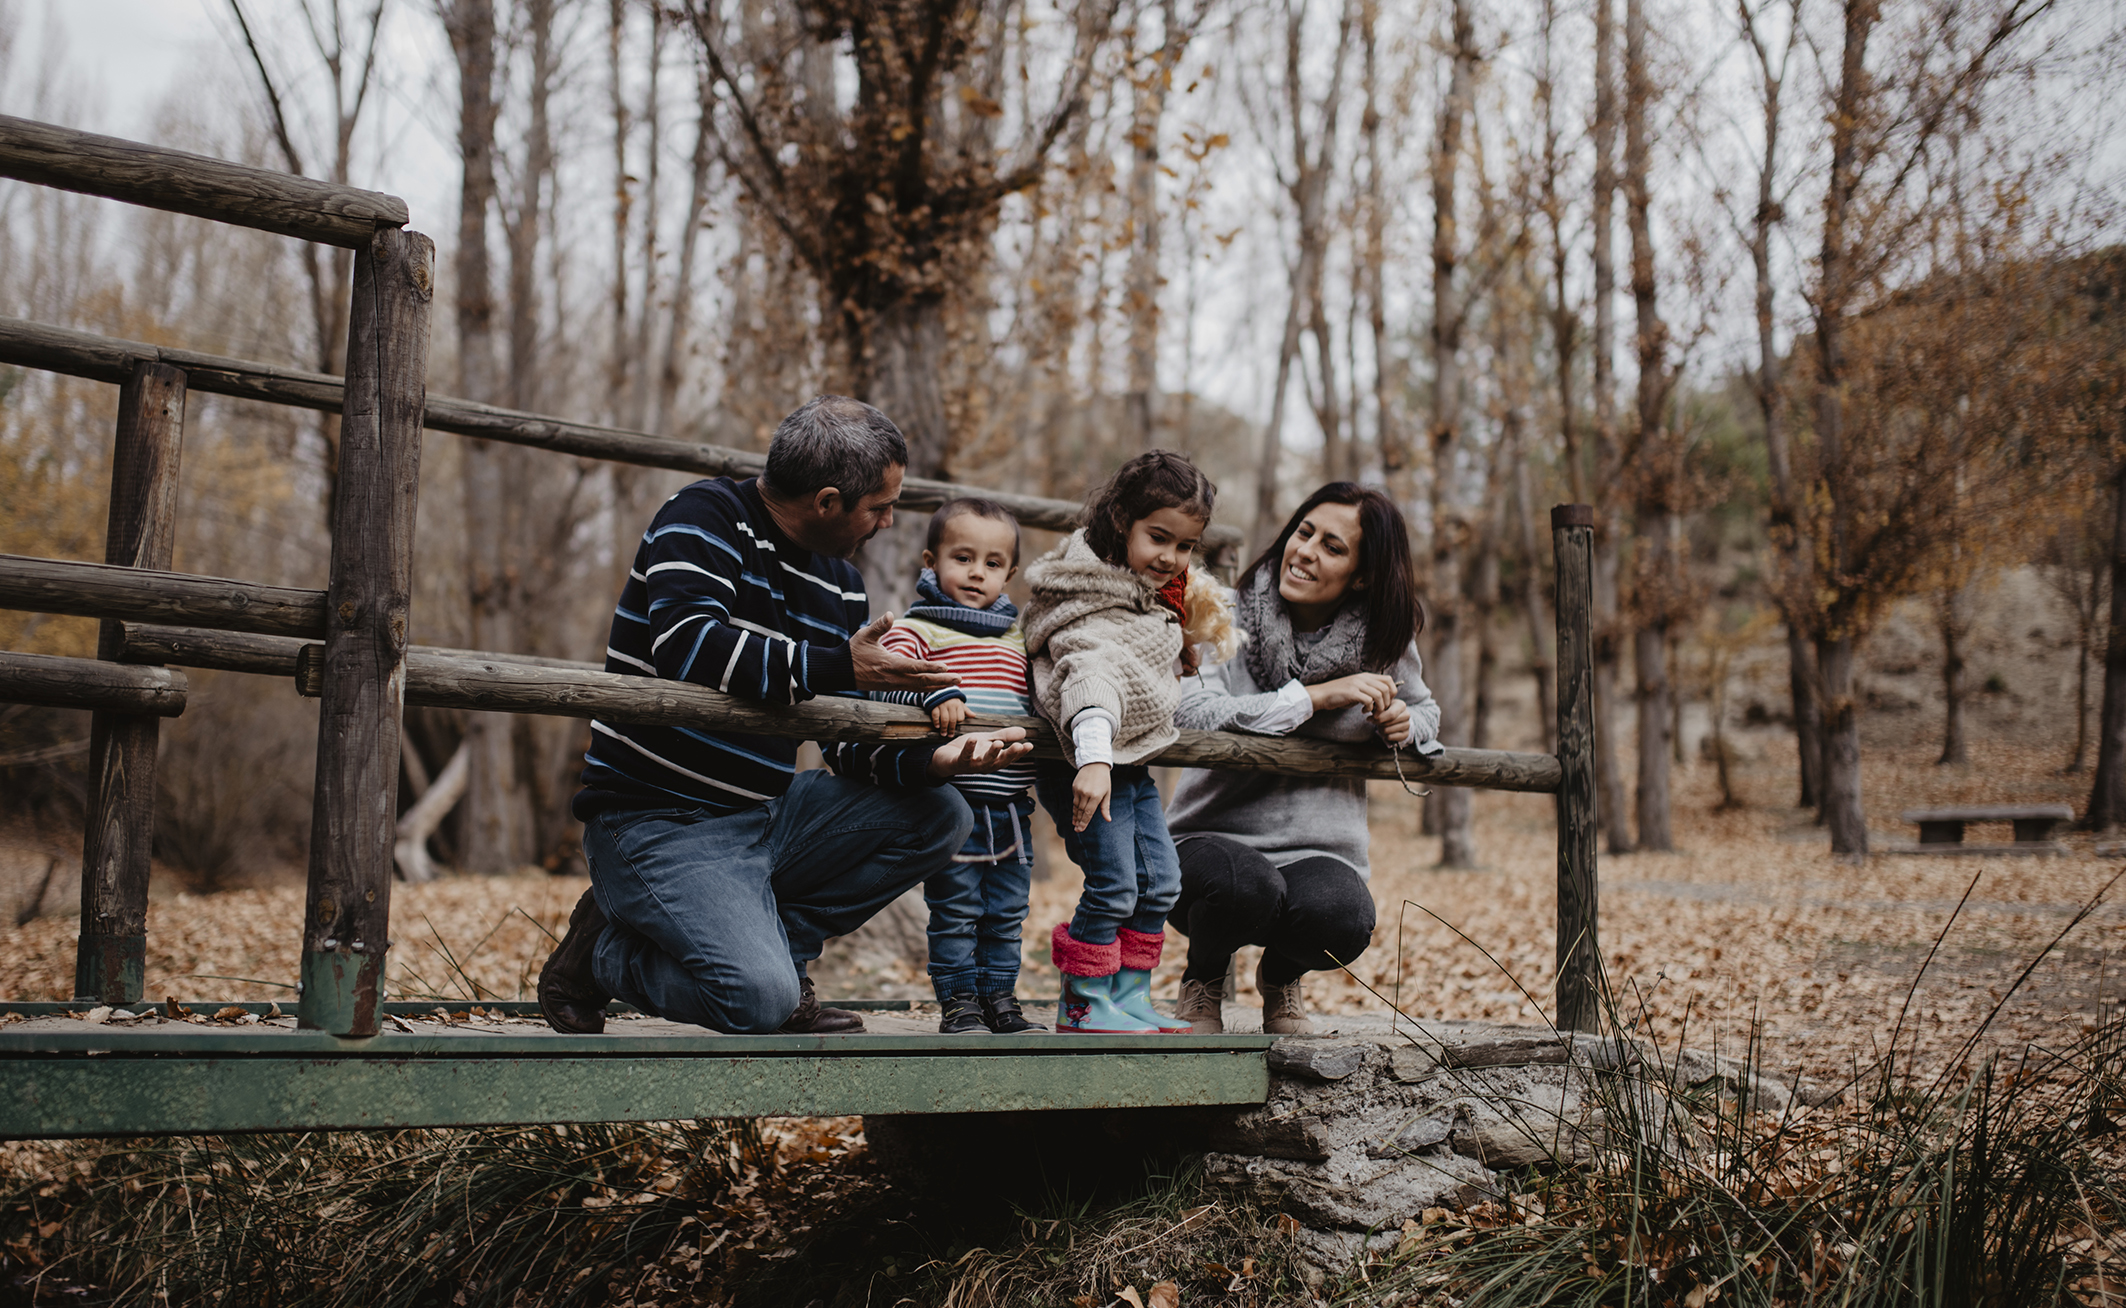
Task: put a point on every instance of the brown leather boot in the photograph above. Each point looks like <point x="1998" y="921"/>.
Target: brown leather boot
<point x="813" y="1019"/>
<point x="1284" y="1008"/>
<point x="1202" y="1006"/>
<point x="569" y="996"/>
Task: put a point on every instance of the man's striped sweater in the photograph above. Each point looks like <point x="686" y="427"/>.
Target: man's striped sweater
<point x="720" y="597"/>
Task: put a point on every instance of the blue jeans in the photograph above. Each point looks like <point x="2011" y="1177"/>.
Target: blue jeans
<point x="1132" y="876"/>
<point x="977" y="907"/>
<point x="713" y="916"/>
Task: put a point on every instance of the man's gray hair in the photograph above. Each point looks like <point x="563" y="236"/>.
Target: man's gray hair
<point x="832" y="440"/>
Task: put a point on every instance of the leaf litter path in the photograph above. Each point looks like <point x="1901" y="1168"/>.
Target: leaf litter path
<point x="1753" y="920"/>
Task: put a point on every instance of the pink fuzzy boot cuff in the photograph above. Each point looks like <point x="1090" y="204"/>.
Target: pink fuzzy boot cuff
<point x="1077" y="958"/>
<point x="1140" y="949"/>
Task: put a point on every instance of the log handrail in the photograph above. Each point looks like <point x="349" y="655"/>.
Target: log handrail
<point x="109" y="359"/>
<point x="55" y="681"/>
<point x="497" y="683"/>
<point x="195" y="184"/>
<point x="103" y="590"/>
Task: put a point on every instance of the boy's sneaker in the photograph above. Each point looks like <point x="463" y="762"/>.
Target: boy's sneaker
<point x="963" y="1016"/>
<point x="1001" y="1014"/>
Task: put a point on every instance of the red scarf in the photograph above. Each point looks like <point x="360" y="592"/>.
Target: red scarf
<point x="1174" y="594"/>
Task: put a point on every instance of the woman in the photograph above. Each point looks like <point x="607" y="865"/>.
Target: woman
<point x="1330" y="613"/>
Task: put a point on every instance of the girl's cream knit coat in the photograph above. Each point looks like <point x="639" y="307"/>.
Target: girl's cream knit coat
<point x="1098" y="637"/>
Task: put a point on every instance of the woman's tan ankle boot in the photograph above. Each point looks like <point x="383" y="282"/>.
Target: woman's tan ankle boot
<point x="1202" y="1006"/>
<point x="1284" y="1008"/>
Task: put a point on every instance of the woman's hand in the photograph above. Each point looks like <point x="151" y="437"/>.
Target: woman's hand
<point x="1393" y="722"/>
<point x="1089" y="792"/>
<point x="1370" y="690"/>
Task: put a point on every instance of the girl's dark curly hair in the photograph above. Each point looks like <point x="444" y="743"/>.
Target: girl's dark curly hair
<point x="1385" y="576"/>
<point x="1157" y="480"/>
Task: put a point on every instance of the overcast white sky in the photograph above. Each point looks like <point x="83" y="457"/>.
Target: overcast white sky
<point x="116" y="63"/>
<point x="116" y="66"/>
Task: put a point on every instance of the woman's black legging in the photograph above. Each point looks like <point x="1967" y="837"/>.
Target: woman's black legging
<point x="1307" y="916"/>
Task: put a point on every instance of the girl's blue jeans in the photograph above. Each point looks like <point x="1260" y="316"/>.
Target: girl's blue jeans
<point x="1132" y="875"/>
<point x="977" y="907"/>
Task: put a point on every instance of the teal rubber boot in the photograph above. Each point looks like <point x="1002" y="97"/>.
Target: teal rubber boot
<point x="1132" y="993"/>
<point x="1087" y="1008"/>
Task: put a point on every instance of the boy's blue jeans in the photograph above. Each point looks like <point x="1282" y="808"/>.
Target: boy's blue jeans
<point x="713" y="916"/>
<point x="977" y="907"/>
<point x="1132" y="875"/>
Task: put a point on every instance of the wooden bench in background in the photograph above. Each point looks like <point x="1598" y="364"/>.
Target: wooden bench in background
<point x="1941" y="830"/>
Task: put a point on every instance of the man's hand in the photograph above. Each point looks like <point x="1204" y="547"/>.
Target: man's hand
<point x="878" y="668"/>
<point x="948" y="716"/>
<point x="1089" y="792"/>
<point x="983" y="753"/>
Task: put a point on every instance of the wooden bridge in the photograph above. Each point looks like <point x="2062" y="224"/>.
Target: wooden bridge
<point x="348" y="1057"/>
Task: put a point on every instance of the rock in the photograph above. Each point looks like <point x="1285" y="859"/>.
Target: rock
<point x="1504" y="1049"/>
<point x="1367" y="1130"/>
<point x="1322" y="1060"/>
<point x="1420" y="1134"/>
<point x="1409" y="1063"/>
<point x="1265" y="1135"/>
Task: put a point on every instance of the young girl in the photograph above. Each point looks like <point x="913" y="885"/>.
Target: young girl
<point x="1105" y="633"/>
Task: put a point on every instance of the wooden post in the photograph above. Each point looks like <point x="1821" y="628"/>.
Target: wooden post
<point x="1579" y="945"/>
<point x="109" y="961"/>
<point x="346" y="922"/>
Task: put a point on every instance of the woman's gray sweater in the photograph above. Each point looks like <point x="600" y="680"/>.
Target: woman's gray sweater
<point x="1286" y="818"/>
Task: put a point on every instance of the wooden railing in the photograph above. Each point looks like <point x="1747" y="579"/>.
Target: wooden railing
<point x="347" y="645"/>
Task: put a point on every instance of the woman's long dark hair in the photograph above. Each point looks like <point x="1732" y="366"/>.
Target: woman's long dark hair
<point x="1394" y="614"/>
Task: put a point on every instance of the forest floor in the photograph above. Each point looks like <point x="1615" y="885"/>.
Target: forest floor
<point x="1750" y="920"/>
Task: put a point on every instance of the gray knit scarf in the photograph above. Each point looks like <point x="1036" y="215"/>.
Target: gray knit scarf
<point x="1275" y="656"/>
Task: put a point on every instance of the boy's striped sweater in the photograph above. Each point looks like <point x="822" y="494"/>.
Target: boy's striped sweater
<point x="720" y="597"/>
<point x="992" y="672"/>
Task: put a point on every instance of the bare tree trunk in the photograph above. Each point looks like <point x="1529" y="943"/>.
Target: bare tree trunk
<point x="903" y="376"/>
<point x="1834" y="646"/>
<point x="1953" y="621"/>
<point x="1658" y="582"/>
<point x="669" y="374"/>
<point x="497" y="821"/>
<point x="1768" y="385"/>
<point x="2081" y="710"/>
<point x="526" y="223"/>
<point x="1483" y="605"/>
<point x="1540" y="659"/>
<point x="1612" y="807"/>
<point x="1564" y="323"/>
<point x="1808" y="716"/>
<point x="639" y="372"/>
<point x="1148" y="91"/>
<point x="2107" y="792"/>
<point x="616" y="368"/>
<point x="1450" y="805"/>
<point x="1387" y="433"/>
<point x="1309" y="187"/>
<point x="1841" y="756"/>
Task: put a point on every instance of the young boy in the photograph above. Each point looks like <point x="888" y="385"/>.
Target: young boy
<point x="962" y="620"/>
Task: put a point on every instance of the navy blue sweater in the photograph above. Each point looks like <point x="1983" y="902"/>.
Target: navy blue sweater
<point x="720" y="597"/>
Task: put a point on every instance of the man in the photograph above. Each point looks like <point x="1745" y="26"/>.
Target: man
<point x="717" y="870"/>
